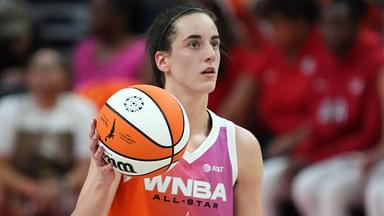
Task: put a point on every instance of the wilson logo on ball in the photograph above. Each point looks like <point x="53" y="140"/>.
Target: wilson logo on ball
<point x="125" y="167"/>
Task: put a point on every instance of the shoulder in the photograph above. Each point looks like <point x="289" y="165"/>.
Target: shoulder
<point x="9" y="104"/>
<point x="247" y="144"/>
<point x="247" y="150"/>
<point x="249" y="158"/>
<point x="244" y="138"/>
<point x="78" y="103"/>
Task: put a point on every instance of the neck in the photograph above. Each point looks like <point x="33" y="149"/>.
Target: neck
<point x="45" y="101"/>
<point x="196" y="107"/>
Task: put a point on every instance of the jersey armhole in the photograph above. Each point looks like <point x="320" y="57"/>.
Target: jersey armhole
<point x="231" y="136"/>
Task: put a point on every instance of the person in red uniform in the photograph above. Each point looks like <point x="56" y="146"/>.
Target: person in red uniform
<point x="283" y="82"/>
<point x="344" y="115"/>
<point x="283" y="79"/>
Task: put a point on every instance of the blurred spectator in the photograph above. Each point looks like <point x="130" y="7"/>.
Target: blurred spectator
<point x="43" y="153"/>
<point x="283" y="79"/>
<point x="345" y="116"/>
<point x="147" y="10"/>
<point x="113" y="51"/>
<point x="60" y="23"/>
<point x="248" y="24"/>
<point x="283" y="86"/>
<point x="373" y="169"/>
<point x="16" y="44"/>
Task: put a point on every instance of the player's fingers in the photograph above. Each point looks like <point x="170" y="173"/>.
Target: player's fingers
<point x="94" y="142"/>
<point x="92" y="129"/>
<point x="98" y="157"/>
<point x="107" y="169"/>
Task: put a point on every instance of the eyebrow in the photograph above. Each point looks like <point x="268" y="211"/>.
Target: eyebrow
<point x="199" y="37"/>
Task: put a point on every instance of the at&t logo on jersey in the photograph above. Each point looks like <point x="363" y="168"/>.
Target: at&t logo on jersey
<point x="195" y="192"/>
<point x="209" y="168"/>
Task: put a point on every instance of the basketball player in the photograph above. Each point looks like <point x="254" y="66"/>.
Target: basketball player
<point x="221" y="171"/>
<point x="345" y="119"/>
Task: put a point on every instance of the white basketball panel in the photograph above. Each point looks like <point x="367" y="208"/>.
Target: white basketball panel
<point x="141" y="111"/>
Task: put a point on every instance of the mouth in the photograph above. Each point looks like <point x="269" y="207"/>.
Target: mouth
<point x="208" y="71"/>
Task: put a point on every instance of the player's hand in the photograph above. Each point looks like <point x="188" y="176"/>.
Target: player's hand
<point x="105" y="172"/>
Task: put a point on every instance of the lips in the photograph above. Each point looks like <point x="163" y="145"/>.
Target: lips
<point x="208" y="71"/>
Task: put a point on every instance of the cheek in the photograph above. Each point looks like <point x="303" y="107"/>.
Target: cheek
<point x="184" y="61"/>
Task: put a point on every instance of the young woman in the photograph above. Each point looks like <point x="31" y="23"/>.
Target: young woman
<point x="184" y="48"/>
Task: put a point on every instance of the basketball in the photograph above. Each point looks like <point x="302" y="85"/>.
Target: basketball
<point x="143" y="129"/>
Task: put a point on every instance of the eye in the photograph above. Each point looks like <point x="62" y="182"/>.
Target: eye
<point x="215" y="44"/>
<point x="194" y="44"/>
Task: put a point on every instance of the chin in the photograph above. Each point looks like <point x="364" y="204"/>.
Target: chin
<point x="208" y="88"/>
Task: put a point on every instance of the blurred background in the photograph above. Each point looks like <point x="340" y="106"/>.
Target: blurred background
<point x="305" y="76"/>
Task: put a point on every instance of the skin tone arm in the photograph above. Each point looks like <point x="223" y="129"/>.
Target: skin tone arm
<point x="237" y="106"/>
<point x="250" y="167"/>
<point x="377" y="153"/>
<point x="101" y="183"/>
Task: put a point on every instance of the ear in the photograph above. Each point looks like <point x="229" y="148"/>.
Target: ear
<point x="162" y="61"/>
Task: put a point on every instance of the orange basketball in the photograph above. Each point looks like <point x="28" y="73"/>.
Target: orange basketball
<point x="143" y="129"/>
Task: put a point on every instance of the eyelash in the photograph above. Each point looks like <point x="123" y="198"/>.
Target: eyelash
<point x="192" y="43"/>
<point x="215" y="44"/>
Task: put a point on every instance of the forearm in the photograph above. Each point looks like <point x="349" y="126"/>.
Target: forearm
<point x="96" y="196"/>
<point x="93" y="201"/>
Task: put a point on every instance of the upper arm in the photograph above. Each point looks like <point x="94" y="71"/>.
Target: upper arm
<point x="250" y="171"/>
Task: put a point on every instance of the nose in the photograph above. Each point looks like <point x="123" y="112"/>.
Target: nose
<point x="210" y="54"/>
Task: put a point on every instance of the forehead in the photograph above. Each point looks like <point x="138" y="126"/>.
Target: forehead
<point x="195" y="24"/>
<point x="45" y="57"/>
